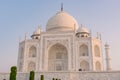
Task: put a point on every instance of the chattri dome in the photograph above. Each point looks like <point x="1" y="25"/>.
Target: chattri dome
<point x="38" y="31"/>
<point x="62" y="21"/>
<point x="83" y="29"/>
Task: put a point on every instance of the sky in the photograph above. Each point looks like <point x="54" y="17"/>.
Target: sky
<point x="18" y="17"/>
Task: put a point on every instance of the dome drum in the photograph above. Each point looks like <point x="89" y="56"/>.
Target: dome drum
<point x="35" y="36"/>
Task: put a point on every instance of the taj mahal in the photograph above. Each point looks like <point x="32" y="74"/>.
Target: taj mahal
<point x="66" y="50"/>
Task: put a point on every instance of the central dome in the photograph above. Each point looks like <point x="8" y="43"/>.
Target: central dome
<point x="62" y="21"/>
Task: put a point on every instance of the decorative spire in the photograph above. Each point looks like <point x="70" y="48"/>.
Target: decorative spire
<point x="97" y="35"/>
<point x="40" y="27"/>
<point x="19" y="39"/>
<point x="25" y="36"/>
<point x="81" y="25"/>
<point x="90" y="32"/>
<point x="61" y="6"/>
<point x="100" y="36"/>
<point x="74" y="27"/>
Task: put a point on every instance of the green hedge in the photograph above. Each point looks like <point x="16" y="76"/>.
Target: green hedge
<point x="42" y="77"/>
<point x="32" y="74"/>
<point x="13" y="73"/>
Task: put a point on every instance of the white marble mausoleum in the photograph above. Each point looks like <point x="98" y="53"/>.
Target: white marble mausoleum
<point x="66" y="50"/>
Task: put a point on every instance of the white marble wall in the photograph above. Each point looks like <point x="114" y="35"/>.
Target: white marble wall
<point x="83" y="75"/>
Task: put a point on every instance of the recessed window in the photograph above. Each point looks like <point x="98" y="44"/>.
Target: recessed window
<point x="58" y="55"/>
<point x="32" y="51"/>
<point x="58" y="67"/>
<point x="83" y="50"/>
<point x="97" y="51"/>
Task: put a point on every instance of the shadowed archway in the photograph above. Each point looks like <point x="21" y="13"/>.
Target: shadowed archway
<point x="58" y="58"/>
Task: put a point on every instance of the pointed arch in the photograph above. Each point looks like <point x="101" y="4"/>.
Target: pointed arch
<point x="97" y="51"/>
<point x="57" y="58"/>
<point x="31" y="66"/>
<point x="98" y="66"/>
<point x="84" y="65"/>
<point x="83" y="50"/>
<point x="32" y="51"/>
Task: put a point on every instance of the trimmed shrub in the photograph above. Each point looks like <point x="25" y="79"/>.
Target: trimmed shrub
<point x="56" y="79"/>
<point x="32" y="74"/>
<point x="13" y="73"/>
<point x="42" y="77"/>
<point x="53" y="79"/>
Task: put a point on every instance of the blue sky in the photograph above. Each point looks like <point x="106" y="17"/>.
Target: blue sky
<point x="24" y="16"/>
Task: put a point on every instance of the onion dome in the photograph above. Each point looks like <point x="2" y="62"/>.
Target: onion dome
<point x="82" y="29"/>
<point x="62" y="21"/>
<point x="36" y="34"/>
<point x="82" y="32"/>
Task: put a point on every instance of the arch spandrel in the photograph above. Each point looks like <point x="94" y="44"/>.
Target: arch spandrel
<point x="50" y="43"/>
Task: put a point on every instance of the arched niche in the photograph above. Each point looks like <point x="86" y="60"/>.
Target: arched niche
<point x="32" y="51"/>
<point x="31" y="66"/>
<point x="97" y="51"/>
<point x="20" y="67"/>
<point x="83" y="50"/>
<point x="98" y="66"/>
<point x="21" y="52"/>
<point x="84" y="66"/>
<point x="57" y="58"/>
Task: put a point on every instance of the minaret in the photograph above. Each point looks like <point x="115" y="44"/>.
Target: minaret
<point x="108" y="59"/>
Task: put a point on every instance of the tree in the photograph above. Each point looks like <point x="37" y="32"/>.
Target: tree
<point x="42" y="77"/>
<point x="53" y="79"/>
<point x="13" y="73"/>
<point x="32" y="74"/>
<point x="56" y="79"/>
